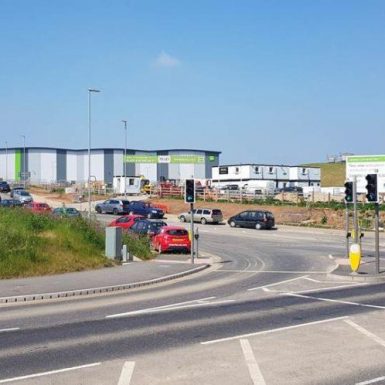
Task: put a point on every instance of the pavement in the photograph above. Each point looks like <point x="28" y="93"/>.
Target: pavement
<point x="128" y="276"/>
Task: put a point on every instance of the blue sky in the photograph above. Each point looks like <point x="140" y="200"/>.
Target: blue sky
<point x="286" y="81"/>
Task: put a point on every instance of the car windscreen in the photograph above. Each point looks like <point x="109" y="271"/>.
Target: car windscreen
<point x="217" y="212"/>
<point x="156" y="225"/>
<point x="24" y="193"/>
<point x="177" y="232"/>
<point x="269" y="215"/>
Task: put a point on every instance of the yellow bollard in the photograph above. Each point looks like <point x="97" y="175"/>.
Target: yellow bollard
<point x="355" y="256"/>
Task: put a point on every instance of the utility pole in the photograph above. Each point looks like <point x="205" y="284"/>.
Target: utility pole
<point x="90" y="91"/>
<point x="6" y="161"/>
<point x="125" y="157"/>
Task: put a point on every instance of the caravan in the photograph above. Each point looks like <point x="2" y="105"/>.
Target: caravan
<point x="259" y="187"/>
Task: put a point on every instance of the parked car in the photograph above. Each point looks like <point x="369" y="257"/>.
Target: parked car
<point x="147" y="227"/>
<point x="203" y="216"/>
<point x="171" y="238"/>
<point x="126" y="221"/>
<point x="10" y="203"/>
<point x="15" y="189"/>
<point x="23" y="196"/>
<point x="37" y="207"/>
<point x="69" y="212"/>
<point x="4" y="187"/>
<point x="256" y="219"/>
<point x="145" y="209"/>
<point x="113" y="206"/>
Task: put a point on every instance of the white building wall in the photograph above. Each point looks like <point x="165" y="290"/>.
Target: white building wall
<point x="48" y="166"/>
<point x="97" y="165"/>
<point x="118" y="162"/>
<point x="34" y="166"/>
<point x="7" y="165"/>
<point x="82" y="167"/>
<point x="71" y="165"/>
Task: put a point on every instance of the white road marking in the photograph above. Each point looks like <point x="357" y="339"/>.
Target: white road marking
<point x="334" y="300"/>
<point x="126" y="373"/>
<point x="277" y="283"/>
<point x="255" y="372"/>
<point x="48" y="373"/>
<point x="272" y="330"/>
<point x="374" y="380"/>
<point x="8" y="330"/>
<point x="329" y="288"/>
<point x="367" y="333"/>
<point x="272" y="271"/>
<point x="168" y="308"/>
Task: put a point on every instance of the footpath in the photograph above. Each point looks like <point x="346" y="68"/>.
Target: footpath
<point x="128" y="276"/>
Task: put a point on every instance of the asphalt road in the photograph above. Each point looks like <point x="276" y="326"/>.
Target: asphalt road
<point x="267" y="313"/>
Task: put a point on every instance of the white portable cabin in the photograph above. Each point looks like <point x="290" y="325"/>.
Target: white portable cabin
<point x="133" y="184"/>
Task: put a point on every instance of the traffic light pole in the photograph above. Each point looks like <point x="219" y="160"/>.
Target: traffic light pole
<point x="192" y="232"/>
<point x="347" y="229"/>
<point x="377" y="237"/>
<point x="355" y="210"/>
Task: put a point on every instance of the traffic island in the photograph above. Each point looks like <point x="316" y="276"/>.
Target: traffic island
<point x="365" y="273"/>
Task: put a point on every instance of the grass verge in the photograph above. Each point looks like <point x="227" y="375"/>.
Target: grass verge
<point x="34" y="245"/>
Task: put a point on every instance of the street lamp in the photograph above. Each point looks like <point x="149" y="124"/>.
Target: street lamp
<point x="125" y="156"/>
<point x="90" y="91"/>
<point x="23" y="174"/>
<point x="6" y="161"/>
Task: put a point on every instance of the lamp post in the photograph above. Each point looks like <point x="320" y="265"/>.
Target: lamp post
<point x="90" y="91"/>
<point x="125" y="156"/>
<point x="23" y="174"/>
<point x="6" y="161"/>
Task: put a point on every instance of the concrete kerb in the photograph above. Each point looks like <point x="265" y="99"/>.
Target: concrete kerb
<point x="342" y="272"/>
<point x="99" y="290"/>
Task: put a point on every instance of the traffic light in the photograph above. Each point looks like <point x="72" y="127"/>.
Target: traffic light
<point x="189" y="191"/>
<point x="349" y="192"/>
<point x="371" y="188"/>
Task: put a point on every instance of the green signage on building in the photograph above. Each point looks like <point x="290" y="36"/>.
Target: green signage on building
<point x="175" y="159"/>
<point x="141" y="159"/>
<point x="187" y="159"/>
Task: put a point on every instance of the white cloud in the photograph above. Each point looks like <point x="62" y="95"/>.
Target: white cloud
<point x="166" y="60"/>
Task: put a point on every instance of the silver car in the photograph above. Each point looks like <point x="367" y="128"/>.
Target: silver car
<point x="203" y="216"/>
<point x="23" y="196"/>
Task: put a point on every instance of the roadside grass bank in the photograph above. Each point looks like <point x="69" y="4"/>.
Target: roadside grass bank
<point x="35" y="245"/>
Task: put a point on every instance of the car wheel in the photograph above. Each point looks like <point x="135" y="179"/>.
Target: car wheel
<point x="258" y="226"/>
<point x="232" y="224"/>
<point x="203" y="221"/>
<point x="115" y="211"/>
<point x="98" y="210"/>
<point x="182" y="219"/>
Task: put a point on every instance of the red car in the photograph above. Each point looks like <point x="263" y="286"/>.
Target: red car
<point x="126" y="221"/>
<point x="172" y="238"/>
<point x="37" y="207"/>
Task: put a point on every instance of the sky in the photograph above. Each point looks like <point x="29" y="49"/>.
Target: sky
<point x="262" y="81"/>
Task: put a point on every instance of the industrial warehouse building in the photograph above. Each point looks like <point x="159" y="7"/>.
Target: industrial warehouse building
<point x="42" y="165"/>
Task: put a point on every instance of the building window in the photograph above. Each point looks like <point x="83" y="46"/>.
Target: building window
<point x="223" y="170"/>
<point x="271" y="170"/>
<point x="256" y="169"/>
<point x="237" y="170"/>
<point x="304" y="171"/>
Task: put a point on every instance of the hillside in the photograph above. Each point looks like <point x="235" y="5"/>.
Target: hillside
<point x="332" y="174"/>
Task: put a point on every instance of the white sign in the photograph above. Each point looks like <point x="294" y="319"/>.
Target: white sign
<point x="164" y="159"/>
<point x="358" y="166"/>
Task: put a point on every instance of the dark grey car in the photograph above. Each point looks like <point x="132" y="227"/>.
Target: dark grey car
<point x="256" y="219"/>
